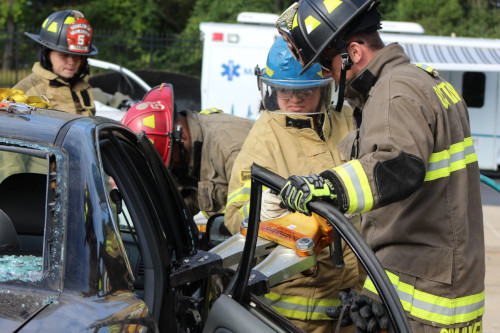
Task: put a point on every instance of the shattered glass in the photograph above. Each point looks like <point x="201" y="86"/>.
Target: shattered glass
<point x="25" y="268"/>
<point x="34" y="258"/>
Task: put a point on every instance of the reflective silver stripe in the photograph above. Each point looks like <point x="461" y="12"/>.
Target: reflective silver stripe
<point x="469" y="150"/>
<point x="357" y="187"/>
<point x="242" y="191"/>
<point x="244" y="209"/>
<point x="435" y="308"/>
<point x="433" y="166"/>
<point x="443" y="163"/>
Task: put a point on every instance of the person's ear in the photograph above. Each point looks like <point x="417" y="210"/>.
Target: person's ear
<point x="355" y="52"/>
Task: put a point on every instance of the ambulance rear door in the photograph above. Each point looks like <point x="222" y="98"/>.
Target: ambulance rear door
<point x="230" y="54"/>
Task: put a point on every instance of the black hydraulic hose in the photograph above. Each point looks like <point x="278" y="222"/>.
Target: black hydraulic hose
<point x="352" y="237"/>
<point x="239" y="284"/>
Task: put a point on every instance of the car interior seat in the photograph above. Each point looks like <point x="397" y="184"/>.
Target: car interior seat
<point x="23" y="198"/>
<point x="8" y="235"/>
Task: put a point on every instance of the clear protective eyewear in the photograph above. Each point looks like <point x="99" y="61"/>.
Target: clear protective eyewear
<point x="287" y="93"/>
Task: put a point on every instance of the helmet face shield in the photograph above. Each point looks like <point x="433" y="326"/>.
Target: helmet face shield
<point x="281" y="83"/>
<point x="275" y="92"/>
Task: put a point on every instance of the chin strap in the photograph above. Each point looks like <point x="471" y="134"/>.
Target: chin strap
<point x="176" y="137"/>
<point x="346" y="65"/>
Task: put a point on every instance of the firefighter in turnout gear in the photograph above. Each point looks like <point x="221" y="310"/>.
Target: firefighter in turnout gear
<point x="198" y="147"/>
<point x="297" y="132"/>
<point x="413" y="172"/>
<point x="58" y="76"/>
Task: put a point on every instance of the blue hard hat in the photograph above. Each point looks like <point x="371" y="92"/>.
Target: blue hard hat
<point x="283" y="70"/>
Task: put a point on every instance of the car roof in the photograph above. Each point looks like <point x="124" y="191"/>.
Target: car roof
<point x="38" y="125"/>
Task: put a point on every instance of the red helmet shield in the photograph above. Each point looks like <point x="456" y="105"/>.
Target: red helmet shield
<point x="155" y="118"/>
<point x="79" y="36"/>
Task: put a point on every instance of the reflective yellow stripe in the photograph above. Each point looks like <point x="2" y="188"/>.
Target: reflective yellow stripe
<point x="442" y="310"/>
<point x="358" y="188"/>
<point x="301" y="308"/>
<point x="442" y="164"/>
<point x="426" y="68"/>
<point x="244" y="210"/>
<point x="269" y="71"/>
<point x="240" y="195"/>
<point x="210" y="110"/>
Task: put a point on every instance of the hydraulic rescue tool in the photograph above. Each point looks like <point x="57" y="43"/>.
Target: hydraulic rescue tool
<point x="291" y="244"/>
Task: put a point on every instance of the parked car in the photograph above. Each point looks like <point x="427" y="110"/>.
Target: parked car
<point x="95" y="237"/>
<point x="119" y="88"/>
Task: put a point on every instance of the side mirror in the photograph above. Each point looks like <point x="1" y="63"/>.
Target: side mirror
<point x="216" y="231"/>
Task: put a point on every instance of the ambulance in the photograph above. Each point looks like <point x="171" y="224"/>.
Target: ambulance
<point x="472" y="65"/>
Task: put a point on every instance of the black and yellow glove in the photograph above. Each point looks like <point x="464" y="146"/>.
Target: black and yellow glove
<point x="300" y="190"/>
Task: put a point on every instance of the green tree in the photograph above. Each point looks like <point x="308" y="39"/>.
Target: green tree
<point x="228" y="10"/>
<point x="438" y="17"/>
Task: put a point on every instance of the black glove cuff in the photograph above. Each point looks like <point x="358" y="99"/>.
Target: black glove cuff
<point x="342" y="201"/>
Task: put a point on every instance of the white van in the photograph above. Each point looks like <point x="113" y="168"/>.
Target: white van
<point x="471" y="65"/>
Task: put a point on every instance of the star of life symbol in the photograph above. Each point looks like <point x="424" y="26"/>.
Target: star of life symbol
<point x="231" y="70"/>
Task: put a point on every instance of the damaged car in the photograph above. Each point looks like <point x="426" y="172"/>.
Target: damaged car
<point x="95" y="237"/>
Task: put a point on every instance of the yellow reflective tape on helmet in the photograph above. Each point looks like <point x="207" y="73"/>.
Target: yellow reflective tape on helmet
<point x="433" y="308"/>
<point x="301" y="308"/>
<point x="69" y="20"/>
<point x="45" y="22"/>
<point x="320" y="73"/>
<point x="210" y="111"/>
<point x="358" y="188"/>
<point x="442" y="164"/>
<point x="331" y="5"/>
<point x="269" y="72"/>
<point x="149" y="121"/>
<point x="295" y="23"/>
<point x="311" y="24"/>
<point x="52" y="27"/>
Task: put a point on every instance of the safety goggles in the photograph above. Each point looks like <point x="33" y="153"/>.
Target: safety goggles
<point x="326" y="62"/>
<point x="287" y="94"/>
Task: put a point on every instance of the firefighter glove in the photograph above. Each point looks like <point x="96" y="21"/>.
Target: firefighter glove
<point x="300" y="190"/>
<point x="271" y="208"/>
<point x="342" y="312"/>
<point x="368" y="315"/>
